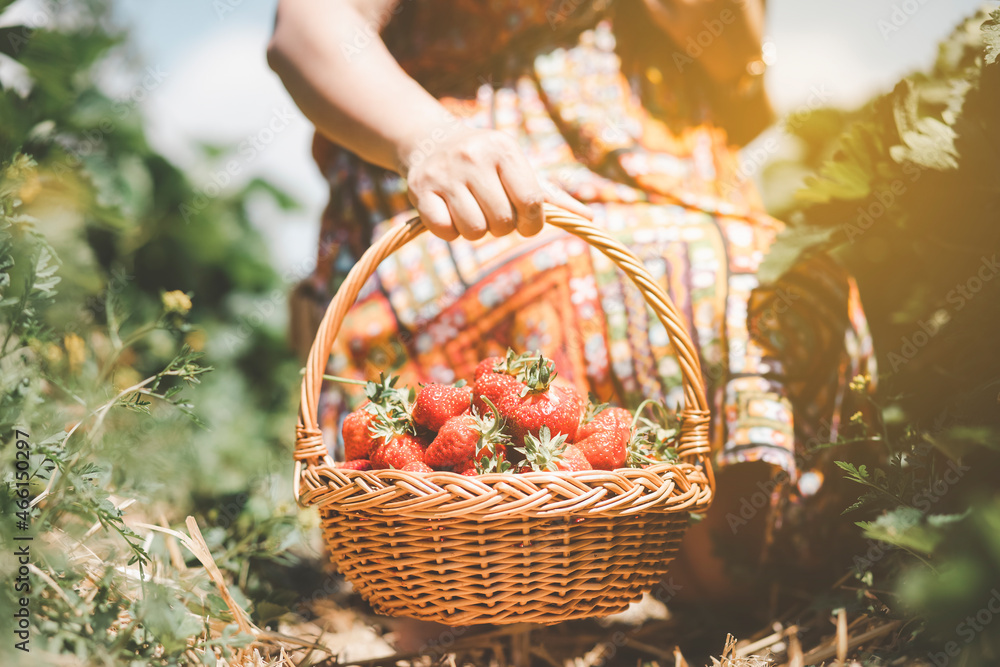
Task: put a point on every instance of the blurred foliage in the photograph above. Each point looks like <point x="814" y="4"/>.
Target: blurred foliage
<point x="121" y="284"/>
<point x="908" y="204"/>
<point x="908" y="201"/>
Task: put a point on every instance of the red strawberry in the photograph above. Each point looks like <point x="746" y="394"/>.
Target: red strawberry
<point x="397" y="451"/>
<point x="488" y="365"/>
<point x="469" y="472"/>
<point x="573" y="459"/>
<point x="497" y="387"/>
<point x="604" y="440"/>
<point x="454" y="444"/>
<point x="465" y="438"/>
<point x="437" y="403"/>
<point x="538" y="402"/>
<point x="604" y="450"/>
<point x="356" y="464"/>
<point x="417" y="466"/>
<point x="558" y="408"/>
<point x="609" y="418"/>
<point x="359" y="441"/>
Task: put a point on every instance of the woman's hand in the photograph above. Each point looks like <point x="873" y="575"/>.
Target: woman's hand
<point x="469" y="182"/>
<point x="464" y="182"/>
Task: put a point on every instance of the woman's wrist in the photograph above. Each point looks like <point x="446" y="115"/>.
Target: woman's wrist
<point x="421" y="138"/>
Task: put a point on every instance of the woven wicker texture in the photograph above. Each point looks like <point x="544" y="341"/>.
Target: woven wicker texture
<point x="504" y="548"/>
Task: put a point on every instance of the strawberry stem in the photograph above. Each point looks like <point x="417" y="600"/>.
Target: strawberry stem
<point x="642" y="406"/>
<point x="337" y="378"/>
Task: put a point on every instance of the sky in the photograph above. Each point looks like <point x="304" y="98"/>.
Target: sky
<point x="212" y="84"/>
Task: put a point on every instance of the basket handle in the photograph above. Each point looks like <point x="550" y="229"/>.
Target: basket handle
<point x="693" y="443"/>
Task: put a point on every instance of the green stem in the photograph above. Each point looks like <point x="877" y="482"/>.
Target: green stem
<point x="109" y="365"/>
<point x="337" y="378"/>
<point x="343" y="380"/>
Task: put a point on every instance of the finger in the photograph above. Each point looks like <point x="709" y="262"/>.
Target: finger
<point x="434" y="212"/>
<point x="466" y="214"/>
<point x="493" y="201"/>
<point x="524" y="192"/>
<point x="556" y="195"/>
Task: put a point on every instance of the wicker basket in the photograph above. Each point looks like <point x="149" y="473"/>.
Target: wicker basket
<point x="503" y="548"/>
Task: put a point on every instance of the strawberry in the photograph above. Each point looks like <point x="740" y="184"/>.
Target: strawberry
<point x="604" y="450"/>
<point x="488" y="365"/>
<point x="359" y="440"/>
<point x="496" y="387"/>
<point x="387" y="411"/>
<point x="604" y="440"/>
<point x="465" y="438"/>
<point x="455" y="443"/>
<point x="573" y="459"/>
<point x="397" y="451"/>
<point x="469" y="472"/>
<point x="601" y="416"/>
<point x="356" y="464"/>
<point x="521" y="387"/>
<point x="437" y="403"/>
<point x="417" y="466"/>
<point x="548" y="453"/>
<point x="557" y="408"/>
<point x="540" y="402"/>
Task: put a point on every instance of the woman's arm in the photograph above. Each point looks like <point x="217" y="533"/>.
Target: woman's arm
<point x="462" y="181"/>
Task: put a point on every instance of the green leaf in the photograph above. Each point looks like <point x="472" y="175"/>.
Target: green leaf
<point x="929" y="144"/>
<point x="14" y="38"/>
<point x="268" y="611"/>
<point x="859" y="473"/>
<point x="167" y="617"/>
<point x="790" y="245"/>
<point x="836" y="180"/>
<point x="905" y="528"/>
<point x="867" y="499"/>
<point x="284" y="200"/>
<point x="991" y="37"/>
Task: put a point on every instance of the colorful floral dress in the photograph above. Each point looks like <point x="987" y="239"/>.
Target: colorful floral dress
<point x="632" y="141"/>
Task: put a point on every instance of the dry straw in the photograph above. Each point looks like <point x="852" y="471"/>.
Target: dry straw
<point x="502" y="548"/>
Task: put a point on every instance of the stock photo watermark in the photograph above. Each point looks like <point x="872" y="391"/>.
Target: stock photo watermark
<point x="248" y="150"/>
<point x="967" y="630"/>
<point x="885" y="199"/>
<point x="957" y="298"/>
<point x="899" y="15"/>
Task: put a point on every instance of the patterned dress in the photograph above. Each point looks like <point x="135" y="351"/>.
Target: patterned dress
<point x="633" y="142"/>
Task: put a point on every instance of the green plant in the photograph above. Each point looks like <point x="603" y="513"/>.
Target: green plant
<point x="908" y="204"/>
<point x="121" y="282"/>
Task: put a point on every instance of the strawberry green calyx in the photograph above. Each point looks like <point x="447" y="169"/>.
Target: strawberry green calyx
<point x="385" y="392"/>
<point x="639" y="452"/>
<point x="509" y="363"/>
<point x="543" y="453"/>
<point x="593" y="409"/>
<point x="537" y="375"/>
<point x="491" y="441"/>
<point x="388" y="422"/>
<point x="391" y="406"/>
<point x="653" y="438"/>
<point x="531" y="368"/>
